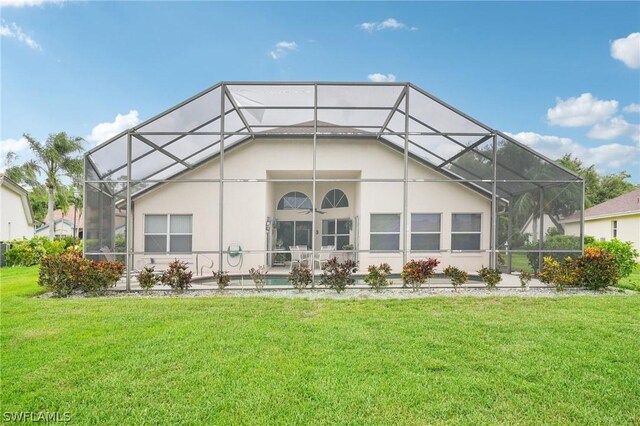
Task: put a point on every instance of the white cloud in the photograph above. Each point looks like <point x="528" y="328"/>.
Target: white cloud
<point x="282" y="48"/>
<point x="627" y="50"/>
<point x="379" y="78"/>
<point x="585" y="110"/>
<point x="103" y="131"/>
<point x="632" y="108"/>
<point x="14" y="31"/>
<point x="11" y="145"/>
<point x="613" y="128"/>
<point x="26" y="3"/>
<point x="387" y="24"/>
<point x="605" y="157"/>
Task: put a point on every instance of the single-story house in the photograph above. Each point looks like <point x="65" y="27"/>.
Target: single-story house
<point x="616" y="218"/>
<point x="63" y="223"/>
<point x="380" y="172"/>
<point x="16" y="216"/>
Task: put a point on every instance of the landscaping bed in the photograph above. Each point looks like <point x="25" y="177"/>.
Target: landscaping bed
<point x="356" y="293"/>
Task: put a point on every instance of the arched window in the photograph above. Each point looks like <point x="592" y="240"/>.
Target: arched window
<point x="334" y="199"/>
<point x="294" y="201"/>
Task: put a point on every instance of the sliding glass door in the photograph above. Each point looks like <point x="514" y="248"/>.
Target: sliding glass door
<point x="294" y="233"/>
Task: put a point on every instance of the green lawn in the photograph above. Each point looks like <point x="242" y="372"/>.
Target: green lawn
<point x="520" y="262"/>
<point x="571" y="360"/>
<point x="632" y="282"/>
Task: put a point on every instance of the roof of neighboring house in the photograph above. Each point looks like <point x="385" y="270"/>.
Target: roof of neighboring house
<point x="68" y="216"/>
<point x="622" y="205"/>
<point x="24" y="194"/>
<point x="57" y="221"/>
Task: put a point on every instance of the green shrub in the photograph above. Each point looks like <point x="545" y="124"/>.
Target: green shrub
<point x="560" y="273"/>
<point x="259" y="276"/>
<point x="147" y="278"/>
<point x="490" y="276"/>
<point x="30" y="252"/>
<point x="553" y="242"/>
<point x="596" y="268"/>
<point x="68" y="272"/>
<point x="377" y="276"/>
<point x="101" y="275"/>
<point x="338" y="275"/>
<point x="61" y="274"/>
<point x="456" y="275"/>
<point x="222" y="279"/>
<point x="417" y="272"/>
<point x="176" y="276"/>
<point x="623" y="252"/>
<point x="300" y="276"/>
<point x="525" y="278"/>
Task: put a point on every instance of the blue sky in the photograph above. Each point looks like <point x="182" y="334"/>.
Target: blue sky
<point x="561" y="77"/>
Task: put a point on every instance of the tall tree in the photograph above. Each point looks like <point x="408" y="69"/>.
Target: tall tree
<point x="54" y="159"/>
<point x="598" y="188"/>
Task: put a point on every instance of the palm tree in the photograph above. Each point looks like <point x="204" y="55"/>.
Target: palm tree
<point x="54" y="160"/>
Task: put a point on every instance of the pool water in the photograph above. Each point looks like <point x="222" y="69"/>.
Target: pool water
<point x="282" y="280"/>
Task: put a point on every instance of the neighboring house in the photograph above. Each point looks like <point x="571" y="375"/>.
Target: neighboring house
<point x="365" y="175"/>
<point x="532" y="226"/>
<point x="63" y="223"/>
<point x="617" y="218"/>
<point x="16" y="216"/>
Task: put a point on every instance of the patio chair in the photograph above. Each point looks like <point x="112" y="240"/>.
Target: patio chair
<point x="324" y="255"/>
<point x="298" y="255"/>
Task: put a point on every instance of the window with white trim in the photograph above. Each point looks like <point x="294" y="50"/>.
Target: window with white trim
<point x="294" y="201"/>
<point x="384" y="232"/>
<point x="614" y="229"/>
<point x="335" y="232"/>
<point x="466" y="231"/>
<point x="425" y="231"/>
<point x="168" y="233"/>
<point x="334" y="199"/>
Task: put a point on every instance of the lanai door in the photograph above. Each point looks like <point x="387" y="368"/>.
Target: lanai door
<point x="294" y="233"/>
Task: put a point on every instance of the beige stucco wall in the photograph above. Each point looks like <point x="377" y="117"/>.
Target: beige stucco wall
<point x="628" y="228"/>
<point x="247" y="205"/>
<point x="13" y="218"/>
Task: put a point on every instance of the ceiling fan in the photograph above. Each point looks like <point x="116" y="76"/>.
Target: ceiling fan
<point x="308" y="211"/>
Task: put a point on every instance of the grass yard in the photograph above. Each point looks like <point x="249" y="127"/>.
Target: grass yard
<point x="569" y="360"/>
<point x="520" y="262"/>
<point x="632" y="282"/>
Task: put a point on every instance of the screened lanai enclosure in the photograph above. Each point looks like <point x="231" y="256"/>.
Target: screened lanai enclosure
<point x="247" y="174"/>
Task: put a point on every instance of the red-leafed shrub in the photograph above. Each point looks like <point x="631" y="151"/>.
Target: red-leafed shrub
<point x="147" y="278"/>
<point x="300" y="276"/>
<point x="68" y="272"/>
<point x="176" y="276"/>
<point x="417" y="272"/>
<point x="338" y="275"/>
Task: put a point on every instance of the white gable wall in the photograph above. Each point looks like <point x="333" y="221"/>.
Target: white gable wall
<point x="247" y="205"/>
<point x="602" y="228"/>
<point x="14" y="223"/>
